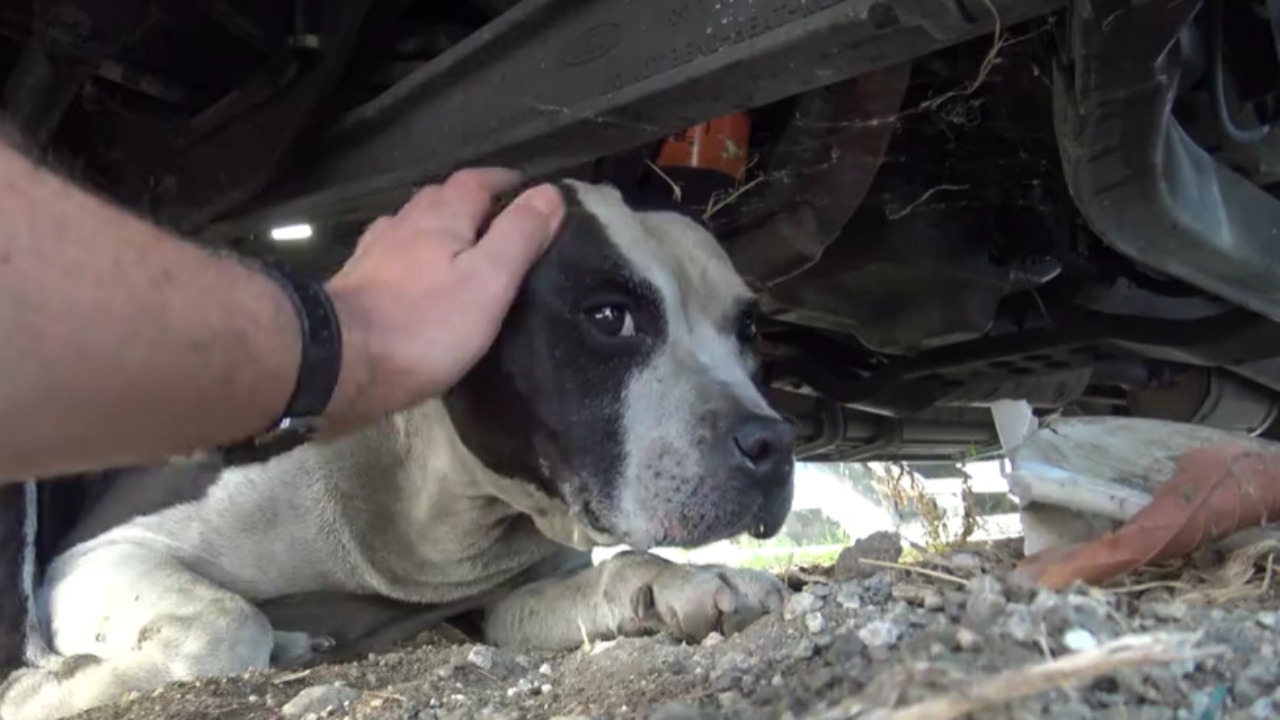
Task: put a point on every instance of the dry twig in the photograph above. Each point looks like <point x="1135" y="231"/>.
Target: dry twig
<point x="914" y="569"/>
<point x="676" y="192"/>
<point x="1070" y="670"/>
<point x="716" y="206"/>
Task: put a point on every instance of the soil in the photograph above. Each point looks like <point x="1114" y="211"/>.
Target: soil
<point x="886" y="637"/>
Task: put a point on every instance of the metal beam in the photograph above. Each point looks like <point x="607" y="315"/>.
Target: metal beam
<point x="555" y="83"/>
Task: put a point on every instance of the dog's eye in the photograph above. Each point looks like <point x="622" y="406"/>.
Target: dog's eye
<point x="612" y="320"/>
<point x="748" y="331"/>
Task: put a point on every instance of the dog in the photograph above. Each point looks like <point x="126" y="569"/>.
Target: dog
<point x="620" y="405"/>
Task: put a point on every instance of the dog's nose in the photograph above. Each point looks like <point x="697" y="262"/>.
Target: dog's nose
<point x="764" y="444"/>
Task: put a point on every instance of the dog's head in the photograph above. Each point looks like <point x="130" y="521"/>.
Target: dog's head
<point x="624" y="383"/>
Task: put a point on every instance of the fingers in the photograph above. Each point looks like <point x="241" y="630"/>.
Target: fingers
<point x="455" y="210"/>
<point x="518" y="237"/>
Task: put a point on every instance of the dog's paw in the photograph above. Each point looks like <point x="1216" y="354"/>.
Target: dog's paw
<point x="293" y="649"/>
<point x="692" y="601"/>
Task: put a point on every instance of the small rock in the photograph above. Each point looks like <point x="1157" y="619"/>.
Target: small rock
<point x="815" y="622"/>
<point x="880" y="546"/>
<point x="800" y="604"/>
<point x="819" y="590"/>
<point x="1167" y="611"/>
<point x="849" y="597"/>
<point x="481" y="656"/>
<point x="1020" y="625"/>
<point x="986" y="601"/>
<point x="731" y="662"/>
<point x="1079" y="640"/>
<point x="880" y="634"/>
<point x="933" y="601"/>
<point x="319" y="699"/>
<point x="545" y="669"/>
<point x="878" y="588"/>
<point x="1268" y="620"/>
<point x="965" y="561"/>
<point x="778" y="680"/>
<point x="1263" y="708"/>
<point x="677" y="710"/>
<point x="967" y="639"/>
<point x="805" y="649"/>
<point x="845" y="649"/>
<point x="713" y="639"/>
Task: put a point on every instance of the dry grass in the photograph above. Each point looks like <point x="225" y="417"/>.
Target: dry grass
<point x="903" y="489"/>
<point x="1247" y="573"/>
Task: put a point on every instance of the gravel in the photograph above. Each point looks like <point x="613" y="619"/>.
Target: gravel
<point x="889" y="639"/>
<point x="319" y="700"/>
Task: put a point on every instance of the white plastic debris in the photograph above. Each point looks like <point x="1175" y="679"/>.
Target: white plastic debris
<point x="1077" y="478"/>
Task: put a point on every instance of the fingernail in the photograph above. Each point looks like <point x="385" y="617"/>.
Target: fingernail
<point x="546" y="199"/>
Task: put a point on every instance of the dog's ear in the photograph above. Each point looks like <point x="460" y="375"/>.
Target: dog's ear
<point x="511" y="408"/>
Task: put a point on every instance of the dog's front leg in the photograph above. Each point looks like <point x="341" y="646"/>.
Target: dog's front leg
<point x="632" y="594"/>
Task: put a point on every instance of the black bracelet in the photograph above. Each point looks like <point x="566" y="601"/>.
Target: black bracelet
<point x="318" y="371"/>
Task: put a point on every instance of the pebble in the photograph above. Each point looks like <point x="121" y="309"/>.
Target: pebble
<point x="677" y="710"/>
<point x="845" y="648"/>
<point x="849" y="597"/>
<point x="481" y="656"/>
<point x="800" y="604"/>
<point x="319" y="699"/>
<point x="880" y="634"/>
<point x="1020" y="625"/>
<point x="1268" y="620"/>
<point x="933" y="601"/>
<point x="880" y="546"/>
<point x="1263" y="708"/>
<point x="965" y="561"/>
<point x="815" y="622"/>
<point x="967" y="639"/>
<point x="1167" y="611"/>
<point x="819" y="589"/>
<point x="878" y="588"/>
<point x="712" y="639"/>
<point x="1079" y="640"/>
<point x="986" y="601"/>
<point x="804" y="649"/>
<point x="545" y="669"/>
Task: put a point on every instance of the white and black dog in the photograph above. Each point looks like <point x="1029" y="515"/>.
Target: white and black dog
<point x="619" y="405"/>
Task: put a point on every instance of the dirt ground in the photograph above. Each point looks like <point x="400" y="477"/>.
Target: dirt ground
<point x="858" y="640"/>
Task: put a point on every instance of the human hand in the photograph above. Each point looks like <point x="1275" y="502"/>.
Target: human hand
<point x="424" y="295"/>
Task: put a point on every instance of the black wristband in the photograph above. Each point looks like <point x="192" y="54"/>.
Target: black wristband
<point x="318" y="371"/>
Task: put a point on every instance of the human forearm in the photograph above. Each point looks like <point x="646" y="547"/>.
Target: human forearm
<point x="119" y="344"/>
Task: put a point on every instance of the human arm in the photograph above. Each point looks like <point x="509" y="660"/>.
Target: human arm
<point x="122" y="345"/>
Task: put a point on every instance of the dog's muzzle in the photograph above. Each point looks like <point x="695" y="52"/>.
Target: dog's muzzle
<point x="761" y="457"/>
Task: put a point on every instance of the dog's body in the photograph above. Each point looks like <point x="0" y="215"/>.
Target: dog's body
<point x="617" y="406"/>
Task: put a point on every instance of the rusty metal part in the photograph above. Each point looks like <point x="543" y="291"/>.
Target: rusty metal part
<point x="720" y="145"/>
